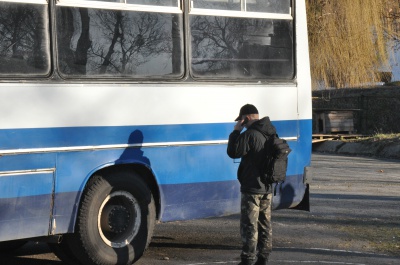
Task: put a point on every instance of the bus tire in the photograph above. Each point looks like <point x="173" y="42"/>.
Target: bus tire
<point x="115" y="221"/>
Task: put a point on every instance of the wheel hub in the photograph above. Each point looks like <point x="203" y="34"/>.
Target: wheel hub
<point x="118" y="219"/>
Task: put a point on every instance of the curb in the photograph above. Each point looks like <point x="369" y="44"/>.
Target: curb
<point x="373" y="149"/>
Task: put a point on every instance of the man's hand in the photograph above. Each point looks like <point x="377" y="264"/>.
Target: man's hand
<point x="238" y="126"/>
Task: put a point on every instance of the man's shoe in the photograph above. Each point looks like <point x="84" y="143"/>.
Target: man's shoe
<point x="262" y="260"/>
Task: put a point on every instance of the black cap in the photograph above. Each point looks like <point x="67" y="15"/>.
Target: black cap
<point x="246" y="110"/>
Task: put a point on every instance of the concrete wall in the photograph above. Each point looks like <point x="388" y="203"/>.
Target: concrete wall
<point x="376" y="110"/>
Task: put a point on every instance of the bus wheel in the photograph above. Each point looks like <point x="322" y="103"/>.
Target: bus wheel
<point x="115" y="221"/>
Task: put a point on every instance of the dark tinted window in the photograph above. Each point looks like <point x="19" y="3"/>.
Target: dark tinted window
<point x="24" y="40"/>
<point x="266" y="6"/>
<point x="233" y="5"/>
<point x="114" y="43"/>
<point x="154" y="2"/>
<point x="269" y="6"/>
<point x="241" y="48"/>
<point x="143" y="2"/>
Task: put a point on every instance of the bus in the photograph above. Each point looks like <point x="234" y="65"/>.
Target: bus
<point x="115" y="114"/>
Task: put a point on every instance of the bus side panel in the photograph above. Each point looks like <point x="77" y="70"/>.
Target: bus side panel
<point x="26" y="195"/>
<point x="201" y="181"/>
<point x="65" y="211"/>
<point x="73" y="171"/>
<point x="198" y="200"/>
<point x="290" y="193"/>
<point x="204" y="197"/>
<point x="194" y="182"/>
<point x="25" y="205"/>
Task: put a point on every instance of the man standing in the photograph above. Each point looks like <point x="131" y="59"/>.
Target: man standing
<point x="256" y="200"/>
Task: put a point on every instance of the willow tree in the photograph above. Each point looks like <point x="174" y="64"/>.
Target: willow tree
<point x="348" y="40"/>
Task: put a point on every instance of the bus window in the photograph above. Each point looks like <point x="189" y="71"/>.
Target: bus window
<point x="24" y="39"/>
<point x="154" y="2"/>
<point x="143" y="2"/>
<point x="241" y="45"/>
<point x="217" y="4"/>
<point x="112" y="43"/>
<point x="268" y="6"/>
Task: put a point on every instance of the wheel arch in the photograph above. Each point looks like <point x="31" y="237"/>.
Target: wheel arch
<point x="144" y="172"/>
<point x="83" y="228"/>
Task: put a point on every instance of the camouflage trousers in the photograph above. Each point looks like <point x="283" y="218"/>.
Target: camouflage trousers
<point x="255" y="225"/>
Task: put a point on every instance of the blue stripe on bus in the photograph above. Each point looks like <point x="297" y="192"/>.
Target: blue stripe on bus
<point x="91" y="136"/>
<point x="172" y="165"/>
<point x="27" y="162"/>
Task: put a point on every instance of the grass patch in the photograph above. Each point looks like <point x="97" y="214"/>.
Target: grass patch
<point x="384" y="239"/>
<point x="379" y="137"/>
<point x="395" y="83"/>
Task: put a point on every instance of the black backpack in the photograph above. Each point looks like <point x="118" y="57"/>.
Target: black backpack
<point x="275" y="163"/>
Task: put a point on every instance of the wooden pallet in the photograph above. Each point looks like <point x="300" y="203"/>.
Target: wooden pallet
<point x="317" y="138"/>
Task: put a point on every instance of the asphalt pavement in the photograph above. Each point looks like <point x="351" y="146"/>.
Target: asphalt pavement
<point x="354" y="219"/>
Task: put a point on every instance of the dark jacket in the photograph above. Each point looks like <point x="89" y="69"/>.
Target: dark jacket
<point x="249" y="146"/>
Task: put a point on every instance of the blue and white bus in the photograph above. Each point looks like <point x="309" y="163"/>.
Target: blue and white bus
<point x="116" y="114"/>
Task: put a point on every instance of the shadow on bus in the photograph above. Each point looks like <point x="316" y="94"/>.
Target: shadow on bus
<point x="134" y="152"/>
<point x="285" y="198"/>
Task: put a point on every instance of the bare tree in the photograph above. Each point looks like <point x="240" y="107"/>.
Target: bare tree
<point x="215" y="38"/>
<point x="84" y="42"/>
<point x="65" y="32"/>
<point x="129" y="40"/>
<point x="116" y="34"/>
<point x="73" y="61"/>
<point x="24" y="38"/>
<point x="176" y="35"/>
<point x="241" y="47"/>
<point x="98" y="42"/>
